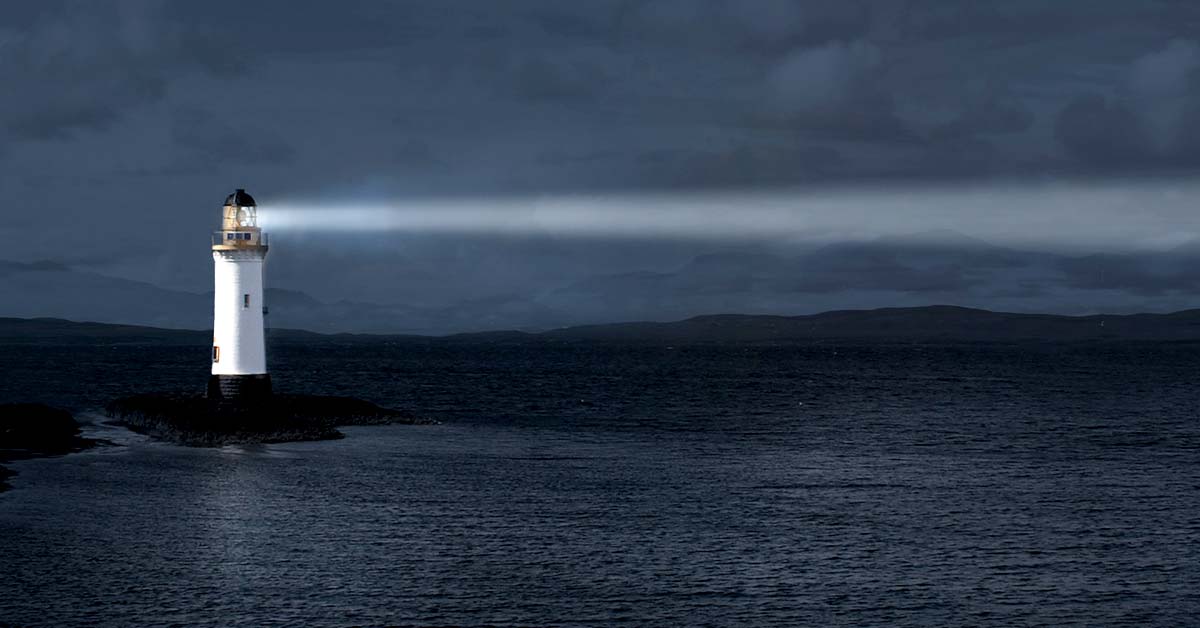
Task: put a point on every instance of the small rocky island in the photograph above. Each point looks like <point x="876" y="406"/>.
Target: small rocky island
<point x="33" y="430"/>
<point x="239" y="406"/>
<point x="199" y="421"/>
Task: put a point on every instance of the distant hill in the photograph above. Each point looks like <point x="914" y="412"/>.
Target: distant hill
<point x="56" y="331"/>
<point x="932" y="323"/>
<point x="938" y="323"/>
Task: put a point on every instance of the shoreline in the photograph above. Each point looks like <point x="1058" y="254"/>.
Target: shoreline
<point x="194" y="421"/>
<point x="34" y="430"/>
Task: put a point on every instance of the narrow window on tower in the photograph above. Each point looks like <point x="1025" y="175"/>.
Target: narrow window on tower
<point x="216" y="353"/>
<point x="245" y="300"/>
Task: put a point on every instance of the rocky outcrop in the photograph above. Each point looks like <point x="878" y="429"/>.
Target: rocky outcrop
<point x="199" y="422"/>
<point x="31" y="430"/>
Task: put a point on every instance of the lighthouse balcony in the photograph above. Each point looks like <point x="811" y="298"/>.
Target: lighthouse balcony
<point x="234" y="240"/>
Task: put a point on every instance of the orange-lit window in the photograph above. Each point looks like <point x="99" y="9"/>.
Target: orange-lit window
<point x="216" y="353"/>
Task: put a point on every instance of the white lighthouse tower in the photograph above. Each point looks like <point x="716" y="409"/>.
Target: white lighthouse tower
<point x="239" y="355"/>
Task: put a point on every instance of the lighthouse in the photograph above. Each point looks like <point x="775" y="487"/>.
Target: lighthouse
<point x="239" y="355"/>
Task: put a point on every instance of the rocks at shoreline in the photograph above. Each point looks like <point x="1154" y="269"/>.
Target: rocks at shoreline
<point x="32" y="430"/>
<point x="195" y="421"/>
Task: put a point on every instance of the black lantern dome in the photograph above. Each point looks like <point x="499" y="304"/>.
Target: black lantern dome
<point x="240" y="199"/>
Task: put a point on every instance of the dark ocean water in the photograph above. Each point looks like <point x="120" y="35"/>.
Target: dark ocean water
<point x="592" y="485"/>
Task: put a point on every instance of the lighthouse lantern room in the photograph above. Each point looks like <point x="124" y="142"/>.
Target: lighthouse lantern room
<point x="239" y="360"/>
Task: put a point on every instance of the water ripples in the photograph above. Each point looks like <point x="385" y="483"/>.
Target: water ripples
<point x="625" y="486"/>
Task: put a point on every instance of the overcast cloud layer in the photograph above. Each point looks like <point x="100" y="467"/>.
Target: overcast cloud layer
<point x="124" y="124"/>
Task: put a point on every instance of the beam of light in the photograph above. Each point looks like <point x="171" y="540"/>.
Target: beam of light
<point x="1109" y="214"/>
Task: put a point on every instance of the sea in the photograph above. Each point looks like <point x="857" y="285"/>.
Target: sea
<point x="829" y="484"/>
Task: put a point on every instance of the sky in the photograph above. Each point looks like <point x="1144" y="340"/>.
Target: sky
<point x="440" y="151"/>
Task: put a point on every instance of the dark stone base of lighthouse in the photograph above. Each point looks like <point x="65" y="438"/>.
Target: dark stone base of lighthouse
<point x="246" y="412"/>
<point x="239" y="388"/>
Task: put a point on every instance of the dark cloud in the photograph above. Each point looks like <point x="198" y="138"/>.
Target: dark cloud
<point x="641" y="77"/>
<point x="739" y="166"/>
<point x="1151" y="122"/>
<point x="1164" y="89"/>
<point x="453" y="98"/>
<point x="416" y="154"/>
<point x="990" y="116"/>
<point x="1140" y="275"/>
<point x="1099" y="132"/>
<point x="881" y="274"/>
<point x="209" y="139"/>
<point x="834" y="91"/>
<point x="83" y="67"/>
<point x="555" y="78"/>
<point x="763" y="27"/>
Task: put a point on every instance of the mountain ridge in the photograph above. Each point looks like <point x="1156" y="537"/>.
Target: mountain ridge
<point x="933" y="323"/>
